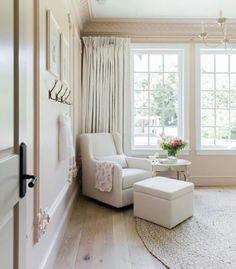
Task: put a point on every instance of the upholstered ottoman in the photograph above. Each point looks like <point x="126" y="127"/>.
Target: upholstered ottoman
<point x="164" y="201"/>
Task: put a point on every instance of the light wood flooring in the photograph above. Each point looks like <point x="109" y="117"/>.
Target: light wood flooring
<point x="99" y="236"/>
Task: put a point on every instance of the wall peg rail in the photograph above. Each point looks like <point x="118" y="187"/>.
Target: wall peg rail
<point x="62" y="95"/>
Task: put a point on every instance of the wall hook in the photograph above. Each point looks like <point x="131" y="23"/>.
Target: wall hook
<point x="50" y="91"/>
<point x="57" y="95"/>
<point x="62" y="99"/>
<point x="67" y="98"/>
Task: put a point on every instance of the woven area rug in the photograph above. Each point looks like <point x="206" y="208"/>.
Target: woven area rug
<point x="205" y="241"/>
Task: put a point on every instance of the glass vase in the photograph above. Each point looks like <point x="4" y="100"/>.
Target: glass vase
<point x="172" y="156"/>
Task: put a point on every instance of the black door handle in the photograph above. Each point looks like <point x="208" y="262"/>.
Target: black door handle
<point x="23" y="171"/>
<point x="32" y="182"/>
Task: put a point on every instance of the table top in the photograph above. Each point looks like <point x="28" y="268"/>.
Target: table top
<point x="179" y="162"/>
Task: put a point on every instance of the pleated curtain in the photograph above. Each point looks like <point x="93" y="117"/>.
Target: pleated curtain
<point x="104" y="83"/>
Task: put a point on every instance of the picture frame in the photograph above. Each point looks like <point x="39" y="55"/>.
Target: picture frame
<point x="64" y="48"/>
<point x="53" y="45"/>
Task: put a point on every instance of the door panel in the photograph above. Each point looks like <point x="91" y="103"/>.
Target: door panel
<point x="9" y="183"/>
<point x="9" y="136"/>
<point x="6" y="74"/>
<point x="6" y="240"/>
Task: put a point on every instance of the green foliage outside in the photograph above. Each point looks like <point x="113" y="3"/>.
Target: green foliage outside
<point x="163" y="100"/>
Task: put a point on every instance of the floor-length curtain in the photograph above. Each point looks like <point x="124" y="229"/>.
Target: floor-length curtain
<point x="104" y="82"/>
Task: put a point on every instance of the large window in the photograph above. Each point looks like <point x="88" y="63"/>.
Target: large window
<point x="217" y="99"/>
<point x="157" y="80"/>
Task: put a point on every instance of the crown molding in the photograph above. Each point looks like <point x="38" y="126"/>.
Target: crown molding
<point x="156" y="20"/>
<point x="153" y="29"/>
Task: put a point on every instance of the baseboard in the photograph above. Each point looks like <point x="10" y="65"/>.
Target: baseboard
<point x="213" y="181"/>
<point x="50" y="255"/>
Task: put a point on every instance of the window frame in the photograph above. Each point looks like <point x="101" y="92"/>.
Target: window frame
<point x="183" y="51"/>
<point x="214" y="149"/>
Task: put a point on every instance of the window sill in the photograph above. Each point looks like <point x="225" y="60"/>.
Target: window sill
<point x="216" y="151"/>
<point x="145" y="152"/>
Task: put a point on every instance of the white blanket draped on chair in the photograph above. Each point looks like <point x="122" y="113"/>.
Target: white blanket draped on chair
<point x="105" y="76"/>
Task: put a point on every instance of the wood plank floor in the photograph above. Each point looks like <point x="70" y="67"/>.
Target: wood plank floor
<point x="102" y="237"/>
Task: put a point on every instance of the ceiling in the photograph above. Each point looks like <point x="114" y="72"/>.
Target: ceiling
<point x="161" y="9"/>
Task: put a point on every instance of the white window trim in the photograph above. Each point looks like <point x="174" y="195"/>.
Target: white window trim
<point x="128" y="100"/>
<point x="205" y="150"/>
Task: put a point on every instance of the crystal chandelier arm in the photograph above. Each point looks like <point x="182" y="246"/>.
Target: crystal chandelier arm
<point x="211" y="46"/>
<point x="225" y="40"/>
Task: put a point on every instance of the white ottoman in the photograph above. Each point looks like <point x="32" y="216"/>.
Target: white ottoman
<point x="164" y="201"/>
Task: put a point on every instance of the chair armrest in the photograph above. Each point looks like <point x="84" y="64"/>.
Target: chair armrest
<point x="139" y="163"/>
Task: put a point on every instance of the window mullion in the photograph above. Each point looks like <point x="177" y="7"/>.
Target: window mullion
<point x="229" y="130"/>
<point x="163" y="88"/>
<point x="214" y="99"/>
<point x="148" y="98"/>
<point x="180" y="98"/>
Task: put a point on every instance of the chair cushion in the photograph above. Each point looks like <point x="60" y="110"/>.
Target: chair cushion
<point x="120" y="159"/>
<point x="131" y="175"/>
<point x="163" y="187"/>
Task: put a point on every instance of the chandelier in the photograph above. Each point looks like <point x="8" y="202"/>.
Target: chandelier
<point x="225" y="39"/>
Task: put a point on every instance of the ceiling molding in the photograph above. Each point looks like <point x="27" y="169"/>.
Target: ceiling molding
<point x="156" y="20"/>
<point x="152" y="29"/>
<point x="161" y="28"/>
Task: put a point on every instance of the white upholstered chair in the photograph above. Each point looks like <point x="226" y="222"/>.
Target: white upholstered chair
<point x="126" y="170"/>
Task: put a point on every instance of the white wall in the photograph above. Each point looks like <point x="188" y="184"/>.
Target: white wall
<point x="56" y="194"/>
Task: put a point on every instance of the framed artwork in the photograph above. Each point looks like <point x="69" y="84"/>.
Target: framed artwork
<point x="65" y="74"/>
<point x="53" y="45"/>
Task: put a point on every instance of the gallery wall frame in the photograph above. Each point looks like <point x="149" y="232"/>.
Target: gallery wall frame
<point x="57" y="60"/>
<point x="53" y="45"/>
<point x="64" y="60"/>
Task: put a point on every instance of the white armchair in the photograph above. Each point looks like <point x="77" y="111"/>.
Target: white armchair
<point x="126" y="170"/>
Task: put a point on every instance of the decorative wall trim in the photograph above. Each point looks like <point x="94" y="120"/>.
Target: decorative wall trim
<point x="37" y="233"/>
<point x="153" y="29"/>
<point x="153" y="20"/>
<point x="45" y="215"/>
<point x="213" y="181"/>
<point x="42" y="221"/>
<point x="51" y="211"/>
<point x="50" y="255"/>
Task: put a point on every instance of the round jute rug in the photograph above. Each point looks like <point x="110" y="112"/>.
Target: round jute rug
<point x="205" y="241"/>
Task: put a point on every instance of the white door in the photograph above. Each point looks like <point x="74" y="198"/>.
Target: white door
<point x="12" y="207"/>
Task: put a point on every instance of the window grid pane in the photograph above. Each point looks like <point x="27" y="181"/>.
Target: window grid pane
<point x="218" y="128"/>
<point x="157" y="87"/>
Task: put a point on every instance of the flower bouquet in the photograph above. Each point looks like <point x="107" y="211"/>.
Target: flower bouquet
<point x="172" y="145"/>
